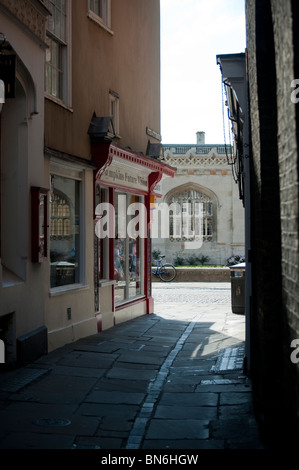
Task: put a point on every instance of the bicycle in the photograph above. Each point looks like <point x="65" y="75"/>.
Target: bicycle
<point x="165" y="271"/>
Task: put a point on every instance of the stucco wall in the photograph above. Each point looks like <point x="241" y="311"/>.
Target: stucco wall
<point x="126" y="62"/>
<point x="22" y="166"/>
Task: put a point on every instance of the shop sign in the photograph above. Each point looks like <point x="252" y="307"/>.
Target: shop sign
<point x="125" y="177"/>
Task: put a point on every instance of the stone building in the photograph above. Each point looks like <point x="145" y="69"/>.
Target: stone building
<point x="204" y="176"/>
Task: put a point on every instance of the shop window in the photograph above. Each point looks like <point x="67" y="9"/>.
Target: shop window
<point x="65" y="231"/>
<point x="58" y="54"/>
<point x="192" y="216"/>
<point x="128" y="247"/>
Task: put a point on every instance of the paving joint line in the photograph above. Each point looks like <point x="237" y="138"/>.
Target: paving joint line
<point x="154" y="389"/>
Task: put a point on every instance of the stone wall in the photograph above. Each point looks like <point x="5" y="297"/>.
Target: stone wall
<point x="204" y="168"/>
<point x="200" y="275"/>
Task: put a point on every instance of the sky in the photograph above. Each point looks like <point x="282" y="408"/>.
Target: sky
<point x="193" y="33"/>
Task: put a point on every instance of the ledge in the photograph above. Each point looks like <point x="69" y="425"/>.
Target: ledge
<point x="200" y="275"/>
<point x="68" y="288"/>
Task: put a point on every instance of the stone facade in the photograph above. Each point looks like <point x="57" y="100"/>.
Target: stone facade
<point x="204" y="170"/>
<point x="272" y="54"/>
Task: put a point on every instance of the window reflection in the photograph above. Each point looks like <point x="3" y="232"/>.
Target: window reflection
<point x="64" y="231"/>
<point x="128" y="251"/>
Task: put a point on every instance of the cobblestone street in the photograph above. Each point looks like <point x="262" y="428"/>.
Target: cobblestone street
<point x="203" y="293"/>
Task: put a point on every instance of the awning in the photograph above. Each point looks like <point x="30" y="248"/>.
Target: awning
<point x="121" y="167"/>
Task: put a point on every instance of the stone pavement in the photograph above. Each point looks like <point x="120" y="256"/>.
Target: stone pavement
<point x="171" y="380"/>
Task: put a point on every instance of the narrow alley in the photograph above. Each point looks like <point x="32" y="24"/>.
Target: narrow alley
<point x="166" y="381"/>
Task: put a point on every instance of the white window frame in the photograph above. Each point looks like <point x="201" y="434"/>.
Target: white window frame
<point x="114" y="110"/>
<point x="103" y="22"/>
<point x="66" y="87"/>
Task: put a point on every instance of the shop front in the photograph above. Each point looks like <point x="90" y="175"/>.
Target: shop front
<point x="124" y="184"/>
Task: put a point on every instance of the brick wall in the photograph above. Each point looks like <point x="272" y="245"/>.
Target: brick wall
<point x="285" y="24"/>
<point x="274" y="199"/>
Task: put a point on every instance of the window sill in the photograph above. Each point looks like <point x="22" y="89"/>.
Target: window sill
<point x="106" y="282"/>
<point x="128" y="302"/>
<point x="55" y="291"/>
<point x="98" y="21"/>
<point x="59" y="102"/>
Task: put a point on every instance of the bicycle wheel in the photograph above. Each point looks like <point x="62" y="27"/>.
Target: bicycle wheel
<point x="167" y="272"/>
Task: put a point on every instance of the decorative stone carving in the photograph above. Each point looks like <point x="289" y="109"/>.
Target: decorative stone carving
<point x="192" y="160"/>
<point x="31" y="13"/>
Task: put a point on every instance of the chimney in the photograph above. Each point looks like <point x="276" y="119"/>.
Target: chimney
<point x="200" y="138"/>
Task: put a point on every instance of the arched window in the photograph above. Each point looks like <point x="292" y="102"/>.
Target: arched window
<point x="192" y="214"/>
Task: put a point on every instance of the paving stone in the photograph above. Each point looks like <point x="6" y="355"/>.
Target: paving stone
<point x="107" y="347"/>
<point x="55" y="389"/>
<point x="217" y="386"/>
<point x="234" y="398"/>
<point x="186" y="412"/>
<point x="126" y="373"/>
<point x="103" y="410"/>
<point x="179" y="387"/>
<point x="79" y="371"/>
<point x="189" y="399"/>
<point x="88" y="359"/>
<point x="134" y="365"/>
<point x="202" y="366"/>
<point x="12" y="382"/>
<point x="127" y="398"/>
<point x="125" y="385"/>
<point x="38" y="418"/>
<point x="235" y="411"/>
<point x="175" y="378"/>
<point x="116" y="423"/>
<point x="108" y="434"/>
<point x="178" y="429"/>
<point x="240" y="428"/>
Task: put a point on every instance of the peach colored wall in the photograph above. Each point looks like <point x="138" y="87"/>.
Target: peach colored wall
<point x="128" y="62"/>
